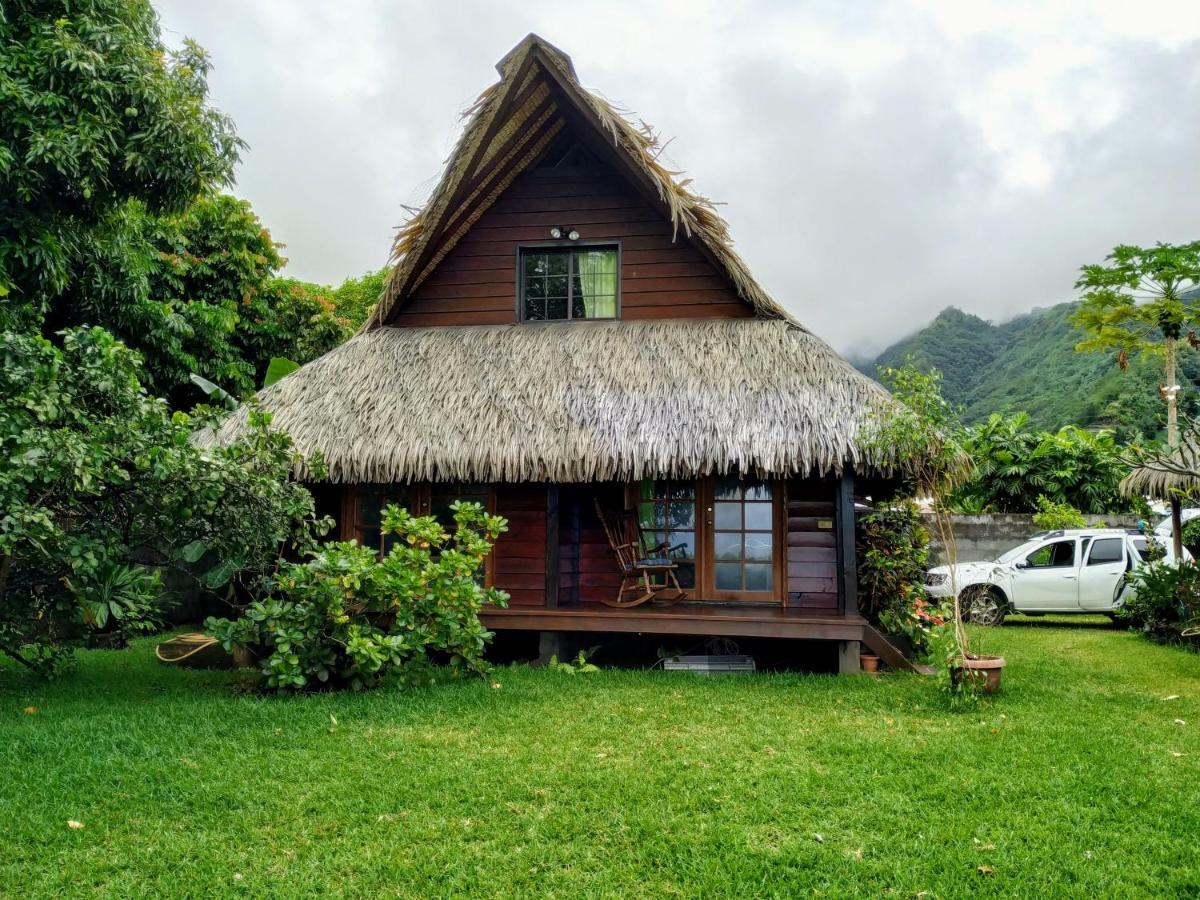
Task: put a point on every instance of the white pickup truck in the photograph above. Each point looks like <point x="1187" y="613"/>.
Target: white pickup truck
<point x="1076" y="571"/>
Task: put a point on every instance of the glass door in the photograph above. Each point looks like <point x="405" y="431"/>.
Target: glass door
<point x="744" y="528"/>
<point x="667" y="515"/>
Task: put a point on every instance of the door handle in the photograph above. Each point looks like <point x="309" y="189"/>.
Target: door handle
<point x="1070" y="576"/>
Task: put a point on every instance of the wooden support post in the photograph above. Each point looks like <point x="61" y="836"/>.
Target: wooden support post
<point x="847" y="574"/>
<point x="556" y="643"/>
<point x="848" y="653"/>
<point x="552" y="542"/>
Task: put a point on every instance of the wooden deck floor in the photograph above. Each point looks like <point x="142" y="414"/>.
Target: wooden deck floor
<point x="683" y="618"/>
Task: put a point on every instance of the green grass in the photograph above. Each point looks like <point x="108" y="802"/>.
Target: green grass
<point x="618" y="784"/>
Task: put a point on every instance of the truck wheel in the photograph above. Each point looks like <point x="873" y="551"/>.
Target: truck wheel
<point x="982" y="605"/>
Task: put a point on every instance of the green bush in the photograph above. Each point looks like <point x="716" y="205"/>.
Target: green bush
<point x="1167" y="603"/>
<point x="348" y="618"/>
<point x="102" y="487"/>
<point x="892" y="547"/>
<point x="1052" y="515"/>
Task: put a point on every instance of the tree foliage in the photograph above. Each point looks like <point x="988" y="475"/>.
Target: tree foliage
<point x="1015" y="465"/>
<point x="101" y="487"/>
<point x="96" y="111"/>
<point x="348" y="618"/>
<point x="1137" y="299"/>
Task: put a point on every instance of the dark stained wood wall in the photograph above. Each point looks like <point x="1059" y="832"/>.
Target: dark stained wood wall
<point x="812" y="557"/>
<point x="519" y="564"/>
<point x="476" y="283"/>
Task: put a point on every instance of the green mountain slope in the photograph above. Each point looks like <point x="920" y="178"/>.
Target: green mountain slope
<point x="1029" y="364"/>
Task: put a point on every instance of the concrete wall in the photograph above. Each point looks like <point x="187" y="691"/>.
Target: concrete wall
<point x="985" y="537"/>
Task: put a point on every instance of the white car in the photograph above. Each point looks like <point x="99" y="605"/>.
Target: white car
<point x="1076" y="571"/>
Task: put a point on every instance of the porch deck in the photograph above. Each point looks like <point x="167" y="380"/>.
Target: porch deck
<point x="759" y="620"/>
<point x="705" y="618"/>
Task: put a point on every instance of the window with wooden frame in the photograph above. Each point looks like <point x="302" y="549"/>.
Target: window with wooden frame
<point x="363" y="508"/>
<point x="743" y="535"/>
<point x="565" y="283"/>
<point x="667" y="514"/>
<point x="365" y="513"/>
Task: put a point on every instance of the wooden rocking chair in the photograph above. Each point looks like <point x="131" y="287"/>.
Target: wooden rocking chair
<point x="646" y="573"/>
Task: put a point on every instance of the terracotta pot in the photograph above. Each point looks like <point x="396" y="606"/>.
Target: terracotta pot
<point x="869" y="663"/>
<point x="243" y="657"/>
<point x="984" y="671"/>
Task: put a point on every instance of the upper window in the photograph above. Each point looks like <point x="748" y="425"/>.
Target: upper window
<point x="1107" y="550"/>
<point x="572" y="283"/>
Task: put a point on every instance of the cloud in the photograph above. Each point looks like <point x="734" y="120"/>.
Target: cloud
<point x="878" y="161"/>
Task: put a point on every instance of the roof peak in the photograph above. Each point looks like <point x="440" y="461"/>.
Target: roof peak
<point x="530" y="42"/>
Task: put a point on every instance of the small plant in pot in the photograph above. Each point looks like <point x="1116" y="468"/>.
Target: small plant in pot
<point x="922" y="433"/>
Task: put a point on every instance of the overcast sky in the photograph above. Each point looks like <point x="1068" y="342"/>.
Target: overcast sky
<point x="878" y="162"/>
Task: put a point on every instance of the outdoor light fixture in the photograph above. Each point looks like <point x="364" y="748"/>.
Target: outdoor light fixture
<point x="573" y="235"/>
<point x="558" y="232"/>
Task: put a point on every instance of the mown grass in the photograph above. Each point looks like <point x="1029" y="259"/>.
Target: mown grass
<point x="1076" y="781"/>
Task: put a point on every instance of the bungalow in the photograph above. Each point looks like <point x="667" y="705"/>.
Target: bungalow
<point x="569" y="337"/>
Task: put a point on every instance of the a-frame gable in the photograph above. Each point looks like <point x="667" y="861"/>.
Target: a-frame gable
<point x="501" y="183"/>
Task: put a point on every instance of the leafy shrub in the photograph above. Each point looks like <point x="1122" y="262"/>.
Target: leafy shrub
<point x="348" y="618"/>
<point x="893" y="555"/>
<point x="1167" y="603"/>
<point x="101" y="486"/>
<point x="1015" y="465"/>
<point x="1052" y="515"/>
<point x="1191" y="536"/>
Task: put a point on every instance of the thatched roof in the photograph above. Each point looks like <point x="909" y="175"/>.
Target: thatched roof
<point x="1167" y="473"/>
<point x="575" y="401"/>
<point x="508" y="128"/>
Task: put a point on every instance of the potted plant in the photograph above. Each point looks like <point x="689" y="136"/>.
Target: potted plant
<point x="869" y="663"/>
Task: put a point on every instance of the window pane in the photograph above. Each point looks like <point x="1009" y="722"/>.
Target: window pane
<point x="728" y="489"/>
<point x="683" y="490"/>
<point x="652" y="540"/>
<point x="687" y="538"/>
<point x="758" y="578"/>
<point x="682" y="515"/>
<point x="758" y="546"/>
<point x="535" y="310"/>
<point x="757" y="490"/>
<point x="535" y="288"/>
<point x="556" y="264"/>
<point x="556" y="286"/>
<point x="729" y="576"/>
<point x="536" y="264"/>
<point x="727" y="545"/>
<point x="556" y="308"/>
<point x="758" y="515"/>
<point x="370" y="503"/>
<point x="727" y="515"/>
<point x="650" y="514"/>
<point x="1107" y="550"/>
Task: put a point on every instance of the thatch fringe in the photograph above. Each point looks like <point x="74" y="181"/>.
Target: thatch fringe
<point x="692" y="214"/>
<point x="576" y="402"/>
<point x="1167" y="473"/>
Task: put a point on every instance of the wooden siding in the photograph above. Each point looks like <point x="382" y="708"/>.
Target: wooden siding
<point x="476" y="284"/>
<point x="519" y="566"/>
<point x="812" y="557"/>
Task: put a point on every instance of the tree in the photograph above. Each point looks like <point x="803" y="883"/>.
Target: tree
<point x="102" y="487"/>
<point x="1013" y="466"/>
<point x="96" y="112"/>
<point x="1142" y="301"/>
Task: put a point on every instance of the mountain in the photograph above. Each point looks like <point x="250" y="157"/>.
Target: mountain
<point x="1030" y="364"/>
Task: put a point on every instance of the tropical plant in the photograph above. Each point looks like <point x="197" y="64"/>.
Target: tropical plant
<point x="96" y="112"/>
<point x="1014" y="466"/>
<point x="102" y="487"/>
<point x="348" y="618"/>
<point x="922" y="432"/>
<point x="1053" y="516"/>
<point x="892" y="550"/>
<point x="1166" y="605"/>
<point x="1140" y="301"/>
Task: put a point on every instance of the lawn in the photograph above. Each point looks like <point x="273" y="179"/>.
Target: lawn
<point x="1076" y="781"/>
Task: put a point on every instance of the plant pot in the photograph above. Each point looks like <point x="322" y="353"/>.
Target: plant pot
<point x="869" y="664"/>
<point x="984" y="672"/>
